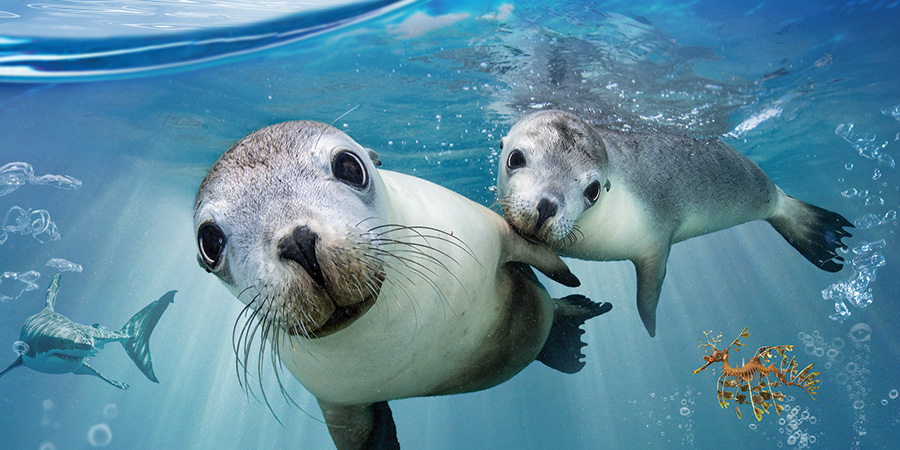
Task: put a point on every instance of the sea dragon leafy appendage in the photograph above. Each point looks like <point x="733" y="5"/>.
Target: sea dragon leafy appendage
<point x="761" y="395"/>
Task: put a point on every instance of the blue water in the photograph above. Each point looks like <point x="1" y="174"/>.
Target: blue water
<point x="808" y="90"/>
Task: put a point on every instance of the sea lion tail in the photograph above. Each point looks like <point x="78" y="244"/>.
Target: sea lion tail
<point x="139" y="328"/>
<point x="562" y="351"/>
<point x="815" y="232"/>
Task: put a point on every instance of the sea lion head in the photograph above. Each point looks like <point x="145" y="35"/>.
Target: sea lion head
<point x="288" y="220"/>
<point x="553" y="167"/>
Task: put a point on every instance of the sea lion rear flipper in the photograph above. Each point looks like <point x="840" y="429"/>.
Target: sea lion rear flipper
<point x="562" y="351"/>
<point x="650" y="276"/>
<point x="815" y="232"/>
<point x="369" y="427"/>
<point x="85" y="369"/>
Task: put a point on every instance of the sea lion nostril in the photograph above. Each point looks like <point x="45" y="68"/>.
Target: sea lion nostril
<point x="546" y="209"/>
<point x="300" y="247"/>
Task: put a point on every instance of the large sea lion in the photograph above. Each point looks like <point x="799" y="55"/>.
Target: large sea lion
<point x="598" y="194"/>
<point x="372" y="285"/>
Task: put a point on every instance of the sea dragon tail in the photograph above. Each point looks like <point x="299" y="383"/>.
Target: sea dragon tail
<point x="139" y="328"/>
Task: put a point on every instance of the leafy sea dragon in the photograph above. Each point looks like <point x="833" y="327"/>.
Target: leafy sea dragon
<point x="52" y="343"/>
<point x="762" y="392"/>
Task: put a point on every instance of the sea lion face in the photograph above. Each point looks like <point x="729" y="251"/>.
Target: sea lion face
<point x="553" y="167"/>
<point x="285" y="219"/>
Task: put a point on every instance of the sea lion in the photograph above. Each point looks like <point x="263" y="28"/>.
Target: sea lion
<point x="371" y="285"/>
<point x="598" y="194"/>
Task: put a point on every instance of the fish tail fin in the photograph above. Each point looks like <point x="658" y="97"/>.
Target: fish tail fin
<point x="139" y="328"/>
<point x="815" y="232"/>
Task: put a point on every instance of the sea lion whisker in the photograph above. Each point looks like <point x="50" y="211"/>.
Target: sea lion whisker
<point x="407" y="263"/>
<point x="414" y="255"/>
<point x="242" y="336"/>
<point x="442" y="235"/>
<point x="417" y="247"/>
<point x="440" y="294"/>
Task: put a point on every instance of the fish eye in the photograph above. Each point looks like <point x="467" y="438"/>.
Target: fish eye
<point x="348" y="168"/>
<point x="211" y="242"/>
<point x="516" y="160"/>
<point x="592" y="191"/>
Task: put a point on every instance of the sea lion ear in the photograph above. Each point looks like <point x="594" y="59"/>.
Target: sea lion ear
<point x="373" y="155"/>
<point x="502" y="142"/>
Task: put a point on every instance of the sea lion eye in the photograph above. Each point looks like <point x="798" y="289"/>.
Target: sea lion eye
<point x="211" y="241"/>
<point x="516" y="160"/>
<point x="348" y="168"/>
<point x="592" y="192"/>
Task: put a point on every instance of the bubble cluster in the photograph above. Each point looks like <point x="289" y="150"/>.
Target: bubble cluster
<point x="814" y="344"/>
<point x="871" y="220"/>
<point x="795" y="426"/>
<point x="855" y="375"/>
<point x="892" y="112"/>
<point x="856" y="290"/>
<point x="63" y="265"/>
<point x="15" y="174"/>
<point x="866" y="145"/>
<point x="35" y="223"/>
<point x="13" y="285"/>
<point x="685" y="407"/>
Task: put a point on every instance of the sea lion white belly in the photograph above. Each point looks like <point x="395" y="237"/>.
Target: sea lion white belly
<point x="372" y="285"/>
<point x="598" y="194"/>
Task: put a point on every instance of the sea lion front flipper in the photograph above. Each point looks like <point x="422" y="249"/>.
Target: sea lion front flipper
<point x="540" y="256"/>
<point x="562" y="351"/>
<point x="85" y="369"/>
<point x="650" y="275"/>
<point x="369" y="427"/>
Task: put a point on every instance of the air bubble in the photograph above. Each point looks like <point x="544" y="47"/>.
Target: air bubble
<point x="884" y="401"/>
<point x="832" y="353"/>
<point x="111" y="411"/>
<point x="859" y="404"/>
<point x="20" y="347"/>
<point x="893" y="394"/>
<point x="860" y="332"/>
<point x="100" y="435"/>
<point x="837" y="343"/>
<point x="685" y="411"/>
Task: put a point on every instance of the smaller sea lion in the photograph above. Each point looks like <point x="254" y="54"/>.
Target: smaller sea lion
<point x="597" y="194"/>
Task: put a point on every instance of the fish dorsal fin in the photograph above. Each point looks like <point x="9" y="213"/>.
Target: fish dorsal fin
<point x="53" y="291"/>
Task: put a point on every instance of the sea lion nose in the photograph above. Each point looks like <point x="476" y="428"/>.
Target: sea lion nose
<point x="546" y="209"/>
<point x="300" y="247"/>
